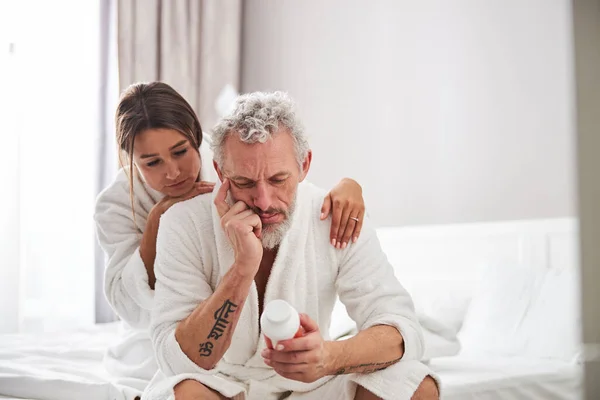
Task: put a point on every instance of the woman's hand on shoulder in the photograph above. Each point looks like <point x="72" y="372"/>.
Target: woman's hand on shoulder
<point x="347" y="208"/>
<point x="199" y="188"/>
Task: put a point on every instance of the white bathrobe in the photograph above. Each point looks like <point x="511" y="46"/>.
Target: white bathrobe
<point x="193" y="254"/>
<point x="131" y="361"/>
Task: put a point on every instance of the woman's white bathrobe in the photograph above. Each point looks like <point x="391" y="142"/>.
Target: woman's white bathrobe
<point x="131" y="361"/>
<point x="193" y="254"/>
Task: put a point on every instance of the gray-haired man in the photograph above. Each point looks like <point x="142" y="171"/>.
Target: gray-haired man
<point x="221" y="258"/>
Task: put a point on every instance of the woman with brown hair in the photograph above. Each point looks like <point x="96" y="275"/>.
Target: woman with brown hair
<point x="161" y="137"/>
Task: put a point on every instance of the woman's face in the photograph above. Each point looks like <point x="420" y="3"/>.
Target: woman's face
<point x="167" y="161"/>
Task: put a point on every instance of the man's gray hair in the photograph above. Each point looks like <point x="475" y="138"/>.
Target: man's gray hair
<point x="255" y="118"/>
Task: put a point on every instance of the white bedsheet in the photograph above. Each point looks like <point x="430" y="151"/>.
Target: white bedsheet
<point x="58" y="366"/>
<point x="69" y="366"/>
<point x="508" y="379"/>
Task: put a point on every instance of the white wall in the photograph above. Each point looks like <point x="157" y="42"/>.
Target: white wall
<point x="444" y="111"/>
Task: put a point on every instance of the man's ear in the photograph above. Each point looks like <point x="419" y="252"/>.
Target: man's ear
<point x="219" y="173"/>
<point x="305" y="166"/>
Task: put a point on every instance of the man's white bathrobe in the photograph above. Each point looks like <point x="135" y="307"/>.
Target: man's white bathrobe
<point x="193" y="254"/>
<point x="131" y="361"/>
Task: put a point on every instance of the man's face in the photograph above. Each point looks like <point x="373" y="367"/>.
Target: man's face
<point x="265" y="176"/>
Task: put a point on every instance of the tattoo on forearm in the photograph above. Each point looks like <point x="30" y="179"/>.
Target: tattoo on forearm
<point x="366" y="368"/>
<point x="206" y="349"/>
<point x="218" y="329"/>
<point x="221" y="318"/>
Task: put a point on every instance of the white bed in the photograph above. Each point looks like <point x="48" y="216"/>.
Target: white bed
<point x="69" y="366"/>
<point x="507" y="379"/>
<point x="57" y="366"/>
<point x="510" y="290"/>
<point x="437" y="264"/>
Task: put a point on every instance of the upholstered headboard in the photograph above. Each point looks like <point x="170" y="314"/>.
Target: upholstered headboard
<point x="440" y="264"/>
<point x="451" y="250"/>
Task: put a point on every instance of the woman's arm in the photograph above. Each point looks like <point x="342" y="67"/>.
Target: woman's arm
<point x="125" y="276"/>
<point x="130" y="248"/>
<point x="148" y="242"/>
<point x="347" y="207"/>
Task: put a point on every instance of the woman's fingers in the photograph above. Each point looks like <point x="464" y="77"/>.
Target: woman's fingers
<point x="325" y="208"/>
<point x="350" y="224"/>
<point x="343" y="224"/>
<point x="336" y="216"/>
<point x="205" y="183"/>
<point x="350" y="227"/>
<point x="359" y="225"/>
<point x="203" y="190"/>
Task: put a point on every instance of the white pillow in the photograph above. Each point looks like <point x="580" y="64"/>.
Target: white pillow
<point x="523" y="311"/>
<point x="446" y="302"/>
<point x="553" y="327"/>
<point x="439" y="339"/>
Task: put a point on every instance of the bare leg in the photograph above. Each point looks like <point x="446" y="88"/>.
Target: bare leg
<point x="427" y="390"/>
<point x="194" y="390"/>
<point x="364" y="394"/>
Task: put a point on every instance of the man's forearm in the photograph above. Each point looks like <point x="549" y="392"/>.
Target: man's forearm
<point x="206" y="334"/>
<point x="370" y="350"/>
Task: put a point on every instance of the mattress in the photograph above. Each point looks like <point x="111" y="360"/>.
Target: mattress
<point x="57" y="366"/>
<point x="508" y="378"/>
<point x="69" y="366"/>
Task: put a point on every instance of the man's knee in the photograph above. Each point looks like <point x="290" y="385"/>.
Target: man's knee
<point x="190" y="389"/>
<point x="427" y="390"/>
<point x="364" y="394"/>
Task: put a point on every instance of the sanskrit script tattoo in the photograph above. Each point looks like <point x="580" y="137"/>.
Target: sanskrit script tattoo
<point x="366" y="368"/>
<point x="221" y="318"/>
<point x="218" y="329"/>
<point x="206" y="349"/>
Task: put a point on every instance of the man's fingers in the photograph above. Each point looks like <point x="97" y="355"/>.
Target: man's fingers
<point x="241" y="216"/>
<point x="285" y="368"/>
<point x="221" y="199"/>
<point x="247" y="220"/>
<point x="295" y="376"/>
<point x="295" y="357"/>
<point x="254" y="221"/>
<point x="238" y="212"/>
<point x="237" y="208"/>
<point x="308" y="324"/>
<point x="303" y="343"/>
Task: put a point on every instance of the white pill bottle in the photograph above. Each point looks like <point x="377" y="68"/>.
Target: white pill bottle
<point x="280" y="321"/>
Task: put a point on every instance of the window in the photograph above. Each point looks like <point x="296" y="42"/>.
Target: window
<point x="50" y="111"/>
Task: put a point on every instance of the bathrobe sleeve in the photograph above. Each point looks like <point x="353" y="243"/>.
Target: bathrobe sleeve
<point x="372" y="294"/>
<point x="125" y="277"/>
<point x="181" y="283"/>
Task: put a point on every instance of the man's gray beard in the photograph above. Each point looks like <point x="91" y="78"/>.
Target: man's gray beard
<point x="273" y="234"/>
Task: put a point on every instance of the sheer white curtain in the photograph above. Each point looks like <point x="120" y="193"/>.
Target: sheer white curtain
<point x="49" y="108"/>
<point x="107" y="157"/>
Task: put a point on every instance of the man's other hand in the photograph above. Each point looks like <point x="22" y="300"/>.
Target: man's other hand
<point x="303" y="359"/>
